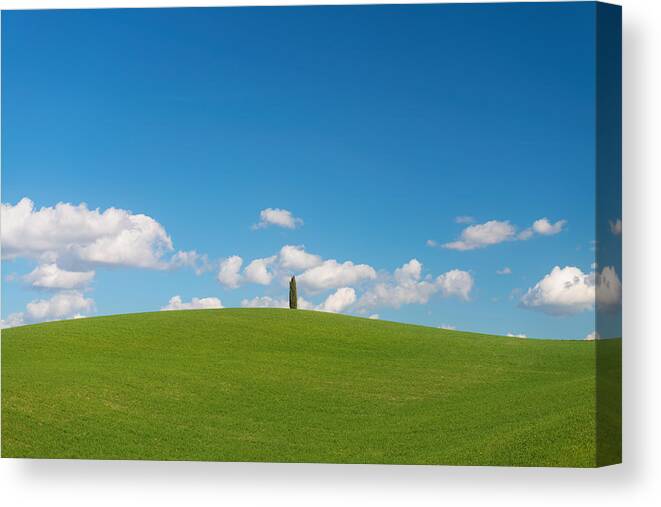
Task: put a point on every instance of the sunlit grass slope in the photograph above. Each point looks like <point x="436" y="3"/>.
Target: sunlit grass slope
<point x="282" y="385"/>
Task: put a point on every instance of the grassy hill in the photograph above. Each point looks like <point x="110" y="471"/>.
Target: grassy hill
<point x="281" y="385"/>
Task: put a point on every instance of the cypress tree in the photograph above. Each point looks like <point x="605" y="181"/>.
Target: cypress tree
<point x="293" y="297"/>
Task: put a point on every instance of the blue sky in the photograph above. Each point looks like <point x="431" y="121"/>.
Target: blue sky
<point x="375" y="126"/>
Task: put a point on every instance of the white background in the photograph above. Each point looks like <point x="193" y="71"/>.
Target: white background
<point x="636" y="482"/>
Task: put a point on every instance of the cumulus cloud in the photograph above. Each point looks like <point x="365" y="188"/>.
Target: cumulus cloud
<point x="447" y="327"/>
<point x="394" y="296"/>
<point x="464" y="219"/>
<point x="265" y="302"/>
<point x="295" y="258"/>
<point x="13" y="320"/>
<point x="592" y="336"/>
<point x="505" y="271"/>
<point x="63" y="305"/>
<point x="77" y="238"/>
<point x="229" y="273"/>
<point x="50" y="276"/>
<point x="406" y="286"/>
<point x="564" y="291"/>
<point x="483" y="235"/>
<point x="408" y="273"/>
<point x="331" y="274"/>
<point x="608" y="290"/>
<point x="374" y="316"/>
<point x="258" y="271"/>
<point x="176" y="303"/>
<point x="517" y="335"/>
<point x="199" y="263"/>
<point x="313" y="273"/>
<point x="616" y="227"/>
<point x="339" y="301"/>
<point x="456" y="283"/>
<point x="546" y="228"/>
<point x="567" y="291"/>
<point x="494" y="232"/>
<point x="277" y="217"/>
<point x="274" y="302"/>
<point x="543" y="227"/>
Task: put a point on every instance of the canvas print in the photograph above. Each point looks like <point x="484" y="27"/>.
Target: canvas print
<point x="344" y="234"/>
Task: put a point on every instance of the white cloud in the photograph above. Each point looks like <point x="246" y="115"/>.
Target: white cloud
<point x="271" y="302"/>
<point x="176" y="303"/>
<point x="456" y="283"/>
<point x="264" y="302"/>
<point x="13" y="320"/>
<point x="331" y="274"/>
<point x="464" y="219"/>
<point x="608" y="290"/>
<point x="394" y="296"/>
<point x="77" y="237"/>
<point x="447" y="327"/>
<point x="567" y="291"/>
<point x="50" y="276"/>
<point x="304" y="304"/>
<point x="408" y="273"/>
<point x="564" y="291"/>
<point x="277" y="217"/>
<point x="431" y="243"/>
<point x="318" y="275"/>
<point x="497" y="231"/>
<point x="374" y="316"/>
<point x="229" y="272"/>
<point x="339" y="301"/>
<point x="258" y="271"/>
<point x="406" y="286"/>
<point x="483" y="235"/>
<point x="296" y="258"/>
<point x="505" y="271"/>
<point x="592" y="336"/>
<point x="63" y="305"/>
<point x="517" y="335"/>
<point x="546" y="228"/>
<point x="198" y="262"/>
<point x="616" y="227"/>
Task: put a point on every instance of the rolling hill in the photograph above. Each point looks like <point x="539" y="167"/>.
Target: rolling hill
<point x="296" y="386"/>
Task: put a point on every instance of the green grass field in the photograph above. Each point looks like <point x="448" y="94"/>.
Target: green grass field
<point x="282" y="385"/>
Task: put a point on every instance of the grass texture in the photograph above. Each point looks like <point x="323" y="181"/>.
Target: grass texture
<point x="296" y="386"/>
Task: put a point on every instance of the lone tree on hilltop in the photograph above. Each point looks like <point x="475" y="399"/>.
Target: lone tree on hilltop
<point x="293" y="297"/>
